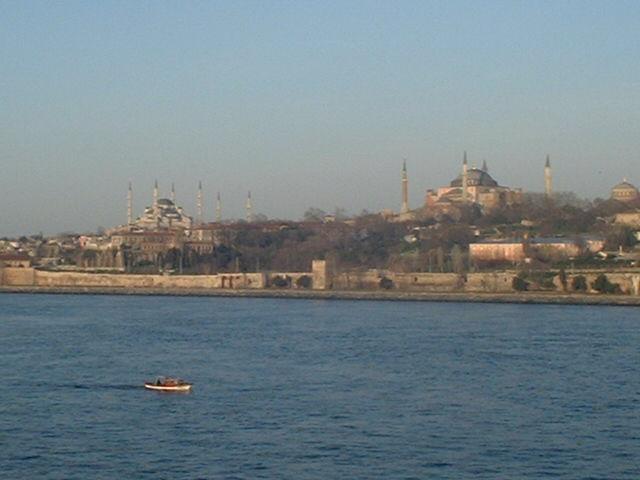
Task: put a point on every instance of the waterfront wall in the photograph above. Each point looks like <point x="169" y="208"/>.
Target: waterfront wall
<point x="31" y="277"/>
<point x="14" y="276"/>
<point x="372" y="280"/>
<point x="376" y="279"/>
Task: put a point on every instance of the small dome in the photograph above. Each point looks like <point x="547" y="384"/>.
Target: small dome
<point x="624" y="185"/>
<point x="165" y="202"/>
<point x="624" y="191"/>
<point x="475" y="177"/>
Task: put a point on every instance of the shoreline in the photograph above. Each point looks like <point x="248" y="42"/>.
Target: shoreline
<point x="551" y="298"/>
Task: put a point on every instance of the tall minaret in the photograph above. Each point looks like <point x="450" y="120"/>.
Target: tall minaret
<point x="485" y="169"/>
<point x="173" y="193"/>
<point x="218" y="209"/>
<point x="155" y="198"/>
<point x="249" y="208"/>
<point x="464" y="177"/>
<point x="405" y="189"/>
<point x="199" y="202"/>
<point x="130" y="205"/>
<point x="548" y="182"/>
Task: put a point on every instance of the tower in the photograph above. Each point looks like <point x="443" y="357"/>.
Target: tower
<point x="464" y="177"/>
<point x="405" y="189"/>
<point x="173" y="193"/>
<point x="485" y="169"/>
<point x="155" y="198"/>
<point x="249" y="208"/>
<point x="548" y="181"/>
<point x="199" y="202"/>
<point x="218" y="209"/>
<point x="130" y="205"/>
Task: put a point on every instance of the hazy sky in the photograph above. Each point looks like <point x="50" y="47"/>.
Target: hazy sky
<point x="306" y="103"/>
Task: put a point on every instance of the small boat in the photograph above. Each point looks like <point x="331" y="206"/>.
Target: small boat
<point x="168" y="384"/>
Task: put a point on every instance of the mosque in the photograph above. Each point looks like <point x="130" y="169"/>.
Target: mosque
<point x="476" y="186"/>
<point x="163" y="214"/>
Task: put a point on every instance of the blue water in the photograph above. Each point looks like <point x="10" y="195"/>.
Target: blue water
<point x="300" y="389"/>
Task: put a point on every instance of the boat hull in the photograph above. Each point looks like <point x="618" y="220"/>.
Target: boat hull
<point x="168" y="388"/>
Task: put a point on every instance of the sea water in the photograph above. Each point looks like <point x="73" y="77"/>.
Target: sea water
<point x="304" y="389"/>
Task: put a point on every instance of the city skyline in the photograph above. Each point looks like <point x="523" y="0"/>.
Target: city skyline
<point x="306" y="105"/>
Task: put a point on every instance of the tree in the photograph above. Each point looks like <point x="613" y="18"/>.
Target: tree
<point x="440" y="259"/>
<point x="579" y="283"/>
<point x="562" y="275"/>
<point x="457" y="259"/>
<point x="519" y="284"/>
<point x="314" y="214"/>
<point x="304" y="281"/>
<point x="603" y="285"/>
<point x="282" y="282"/>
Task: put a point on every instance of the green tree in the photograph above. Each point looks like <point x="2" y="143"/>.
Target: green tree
<point x="603" y="285"/>
<point x="314" y="214"/>
<point x="579" y="283"/>
<point x="519" y="284"/>
<point x="457" y="260"/>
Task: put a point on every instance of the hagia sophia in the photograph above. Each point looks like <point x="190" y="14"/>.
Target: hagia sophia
<point x="473" y="185"/>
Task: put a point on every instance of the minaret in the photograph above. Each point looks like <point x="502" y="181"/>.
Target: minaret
<point x="218" y="209"/>
<point x="173" y="193"/>
<point x="405" y="189"/>
<point x="485" y="169"/>
<point x="548" y="182"/>
<point x="249" y="208"/>
<point x="199" y="202"/>
<point x="464" y="177"/>
<point x="155" y="198"/>
<point x="130" y="205"/>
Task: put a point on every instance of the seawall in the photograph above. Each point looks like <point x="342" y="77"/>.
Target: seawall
<point x="461" y="297"/>
<point x="473" y="287"/>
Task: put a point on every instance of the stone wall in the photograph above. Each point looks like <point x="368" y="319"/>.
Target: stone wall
<point x="31" y="277"/>
<point x="629" y="282"/>
<point x="490" y="282"/>
<point x="371" y="280"/>
<point x="17" y="276"/>
<point x="291" y="277"/>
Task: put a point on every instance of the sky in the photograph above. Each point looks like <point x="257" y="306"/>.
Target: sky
<point x="306" y="103"/>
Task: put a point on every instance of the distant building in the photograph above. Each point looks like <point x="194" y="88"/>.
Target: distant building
<point x="150" y="246"/>
<point x="630" y="219"/>
<point x="473" y="186"/>
<point x="625" y="192"/>
<point x="20" y="260"/>
<point x="546" y="248"/>
<point x="497" y="251"/>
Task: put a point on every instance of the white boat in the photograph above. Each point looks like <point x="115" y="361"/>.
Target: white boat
<point x="168" y="384"/>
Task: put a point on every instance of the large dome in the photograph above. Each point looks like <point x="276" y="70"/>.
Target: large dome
<point x="475" y="178"/>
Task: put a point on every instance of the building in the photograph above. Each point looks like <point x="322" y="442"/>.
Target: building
<point x="473" y="186"/>
<point x="163" y="214"/>
<point x="149" y="246"/>
<point x="541" y="248"/>
<point x="625" y="192"/>
<point x="630" y="219"/>
<point x="507" y="250"/>
<point x="16" y="260"/>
